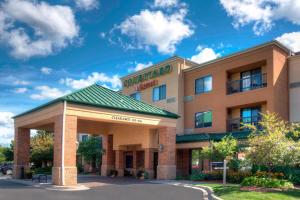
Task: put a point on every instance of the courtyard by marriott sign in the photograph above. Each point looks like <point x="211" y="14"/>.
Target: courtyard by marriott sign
<point x="148" y="75"/>
<point x="126" y="119"/>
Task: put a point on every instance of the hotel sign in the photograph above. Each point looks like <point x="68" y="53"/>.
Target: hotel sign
<point x="148" y="76"/>
<point x="126" y="119"/>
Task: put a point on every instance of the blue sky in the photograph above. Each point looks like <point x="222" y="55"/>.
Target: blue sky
<point x="50" y="48"/>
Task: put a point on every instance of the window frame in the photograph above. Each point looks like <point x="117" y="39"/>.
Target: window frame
<point x="161" y="96"/>
<point x="203" y="84"/>
<point x="133" y="95"/>
<point x="203" y="124"/>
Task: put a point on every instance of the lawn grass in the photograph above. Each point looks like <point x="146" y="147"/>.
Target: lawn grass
<point x="233" y="192"/>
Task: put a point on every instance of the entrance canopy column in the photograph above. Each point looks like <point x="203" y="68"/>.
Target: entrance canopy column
<point x="21" y="152"/>
<point x="166" y="168"/>
<point x="120" y="162"/>
<point x="64" y="171"/>
<point x="108" y="162"/>
<point x="149" y="162"/>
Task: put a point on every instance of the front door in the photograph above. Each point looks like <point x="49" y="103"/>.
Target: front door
<point x="155" y="163"/>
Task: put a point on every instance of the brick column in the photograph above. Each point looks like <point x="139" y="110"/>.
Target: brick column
<point x="134" y="160"/>
<point x="148" y="162"/>
<point x="206" y="165"/>
<point x="120" y="162"/>
<point x="64" y="171"/>
<point x="21" y="151"/>
<point x="108" y="161"/>
<point x="166" y="168"/>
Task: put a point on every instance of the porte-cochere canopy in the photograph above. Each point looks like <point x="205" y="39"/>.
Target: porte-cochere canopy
<point x="124" y="123"/>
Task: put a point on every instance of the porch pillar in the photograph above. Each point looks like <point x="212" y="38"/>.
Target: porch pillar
<point x="120" y="162"/>
<point x="134" y="160"/>
<point x="64" y="171"/>
<point x="21" y="152"/>
<point x="149" y="159"/>
<point x="108" y="162"/>
<point x="166" y="168"/>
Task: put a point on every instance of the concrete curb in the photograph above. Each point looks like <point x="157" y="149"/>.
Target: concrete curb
<point x="191" y="186"/>
<point x="49" y="186"/>
<point x="214" y="197"/>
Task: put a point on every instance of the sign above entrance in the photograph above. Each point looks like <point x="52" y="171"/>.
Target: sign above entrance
<point x="148" y="75"/>
<point x="146" y="85"/>
<point x="126" y="119"/>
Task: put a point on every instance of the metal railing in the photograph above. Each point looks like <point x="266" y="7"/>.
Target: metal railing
<point x="236" y="124"/>
<point x="246" y="84"/>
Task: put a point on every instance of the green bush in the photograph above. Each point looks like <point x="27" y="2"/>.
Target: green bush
<point x="237" y="177"/>
<point x="197" y="176"/>
<point x="266" y="182"/>
<point x="43" y="170"/>
<point x="214" y="175"/>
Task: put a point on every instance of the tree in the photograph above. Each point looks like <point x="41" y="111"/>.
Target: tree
<point x="41" y="148"/>
<point x="91" y="149"/>
<point x="2" y="156"/>
<point x="222" y="150"/>
<point x="274" y="143"/>
<point x="225" y="150"/>
<point x="9" y="152"/>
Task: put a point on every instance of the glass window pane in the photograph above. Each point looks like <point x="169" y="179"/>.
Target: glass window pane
<point x="246" y="115"/>
<point x="246" y="80"/>
<point x="156" y="94"/>
<point x="199" y="120"/>
<point x="138" y="96"/>
<point x="207" y="84"/>
<point x="199" y="86"/>
<point x="207" y="119"/>
<point x="163" y="91"/>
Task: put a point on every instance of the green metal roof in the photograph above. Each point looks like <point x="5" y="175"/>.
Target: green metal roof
<point x="98" y="96"/>
<point x="201" y="137"/>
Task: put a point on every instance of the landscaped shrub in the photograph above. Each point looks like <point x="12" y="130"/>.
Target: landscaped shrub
<point x="43" y="170"/>
<point x="275" y="175"/>
<point x="197" y="176"/>
<point x="266" y="182"/>
<point x="237" y="177"/>
<point x="214" y="175"/>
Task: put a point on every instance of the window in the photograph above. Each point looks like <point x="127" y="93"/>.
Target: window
<point x="203" y="85"/>
<point x="84" y="138"/>
<point x="203" y="119"/>
<point x="136" y="96"/>
<point x="251" y="79"/>
<point x="250" y="115"/>
<point x="159" y="93"/>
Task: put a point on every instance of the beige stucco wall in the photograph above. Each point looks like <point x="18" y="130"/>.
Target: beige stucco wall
<point x="294" y="78"/>
<point x="174" y="82"/>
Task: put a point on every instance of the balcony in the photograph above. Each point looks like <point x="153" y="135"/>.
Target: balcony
<point x="237" y="123"/>
<point x="249" y="83"/>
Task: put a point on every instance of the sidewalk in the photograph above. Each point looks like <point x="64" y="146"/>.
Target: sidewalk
<point x="48" y="185"/>
<point x="207" y="192"/>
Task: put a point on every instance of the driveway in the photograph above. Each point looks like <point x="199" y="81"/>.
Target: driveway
<point x="101" y="189"/>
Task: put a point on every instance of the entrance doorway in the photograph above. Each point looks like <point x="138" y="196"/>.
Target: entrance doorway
<point x="155" y="163"/>
<point x="128" y="164"/>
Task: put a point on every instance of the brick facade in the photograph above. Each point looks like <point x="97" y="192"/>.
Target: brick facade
<point x="108" y="158"/>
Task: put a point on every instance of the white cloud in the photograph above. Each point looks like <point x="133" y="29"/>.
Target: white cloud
<point x="6" y="127"/>
<point x="139" y="66"/>
<point x="204" y="55"/>
<point x="21" y="82"/>
<point x="46" y="70"/>
<point x="45" y="92"/>
<point x="87" y="4"/>
<point x="53" y="27"/>
<point x="112" y="82"/>
<point x="291" y="40"/>
<point x="21" y="90"/>
<point x="262" y="13"/>
<point x="165" y="3"/>
<point x="155" y="28"/>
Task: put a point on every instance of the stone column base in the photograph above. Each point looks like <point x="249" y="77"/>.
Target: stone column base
<point x="166" y="172"/>
<point x="120" y="172"/>
<point x="150" y="173"/>
<point x="17" y="171"/>
<point x="105" y="169"/>
<point x="70" y="176"/>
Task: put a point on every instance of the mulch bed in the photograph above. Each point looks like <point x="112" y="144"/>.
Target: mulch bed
<point x="260" y="189"/>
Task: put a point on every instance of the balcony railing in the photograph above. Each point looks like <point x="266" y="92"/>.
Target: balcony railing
<point x="246" y="84"/>
<point x="237" y="123"/>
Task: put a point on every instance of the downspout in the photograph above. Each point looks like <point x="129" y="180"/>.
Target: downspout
<point x="63" y="145"/>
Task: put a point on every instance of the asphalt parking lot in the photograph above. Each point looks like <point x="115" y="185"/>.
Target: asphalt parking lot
<point x="106" y="190"/>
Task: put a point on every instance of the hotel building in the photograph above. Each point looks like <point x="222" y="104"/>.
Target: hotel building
<point x="167" y="111"/>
